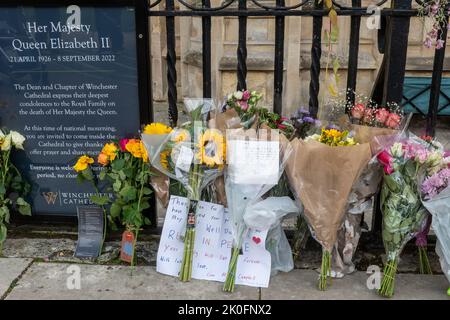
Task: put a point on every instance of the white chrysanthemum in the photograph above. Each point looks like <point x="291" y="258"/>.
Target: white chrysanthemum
<point x="17" y="139"/>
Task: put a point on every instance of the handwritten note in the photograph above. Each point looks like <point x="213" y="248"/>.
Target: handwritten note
<point x="212" y="247"/>
<point x="171" y="246"/>
<point x="253" y="162"/>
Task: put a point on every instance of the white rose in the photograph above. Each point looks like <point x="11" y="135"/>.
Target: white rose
<point x="397" y="150"/>
<point x="17" y="139"/>
<point x="238" y="95"/>
<point x="6" y="145"/>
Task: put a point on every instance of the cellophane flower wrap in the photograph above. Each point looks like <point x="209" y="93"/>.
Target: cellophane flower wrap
<point x="255" y="161"/>
<point x="403" y="213"/>
<point x="321" y="172"/>
<point x="194" y="155"/>
<point x="378" y="126"/>
<point x="435" y="191"/>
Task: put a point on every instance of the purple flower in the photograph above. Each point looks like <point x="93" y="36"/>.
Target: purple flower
<point x="439" y="44"/>
<point x="317" y="123"/>
<point x="332" y="126"/>
<point x="433" y="185"/>
<point x="308" y="119"/>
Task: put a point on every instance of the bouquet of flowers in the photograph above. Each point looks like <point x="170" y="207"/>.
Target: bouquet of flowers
<point x="194" y="155"/>
<point x="255" y="164"/>
<point x="13" y="188"/>
<point x="378" y="126"/>
<point x="435" y="192"/>
<point x="126" y="168"/>
<point x="321" y="172"/>
<point x="403" y="213"/>
<point x="245" y="104"/>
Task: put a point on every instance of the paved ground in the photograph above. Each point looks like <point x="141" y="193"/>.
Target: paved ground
<point x="24" y="279"/>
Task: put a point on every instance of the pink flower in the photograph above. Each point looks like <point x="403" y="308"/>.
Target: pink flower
<point x="428" y="43"/>
<point x="358" y="111"/>
<point x="386" y="160"/>
<point x="368" y="115"/>
<point x="123" y="143"/>
<point x="421" y="155"/>
<point x="246" y="95"/>
<point x="381" y="115"/>
<point x="243" y="105"/>
<point x="439" y="44"/>
<point x="393" y="120"/>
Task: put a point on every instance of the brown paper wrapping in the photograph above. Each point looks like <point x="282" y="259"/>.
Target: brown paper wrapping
<point x="363" y="190"/>
<point x="160" y="184"/>
<point x="322" y="177"/>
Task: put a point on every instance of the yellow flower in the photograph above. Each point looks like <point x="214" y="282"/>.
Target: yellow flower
<point x="180" y="136"/>
<point x="212" y="148"/>
<point x="163" y="159"/>
<point x="137" y="149"/>
<point x="110" y="150"/>
<point x="333" y="133"/>
<point x="157" y="128"/>
<point x="83" y="163"/>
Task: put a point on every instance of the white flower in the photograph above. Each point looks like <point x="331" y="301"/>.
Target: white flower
<point x="397" y="150"/>
<point x="238" y="95"/>
<point x="2" y="135"/>
<point x="17" y="139"/>
<point x="434" y="159"/>
<point x="230" y="96"/>
<point x="6" y="145"/>
<point x="315" y="137"/>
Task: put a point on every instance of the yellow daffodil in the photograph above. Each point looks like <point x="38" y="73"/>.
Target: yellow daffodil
<point x="110" y="150"/>
<point x="157" y="128"/>
<point x="83" y="163"/>
<point x="212" y="148"/>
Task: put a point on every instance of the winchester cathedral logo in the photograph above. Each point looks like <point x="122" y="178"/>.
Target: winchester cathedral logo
<point x="50" y="197"/>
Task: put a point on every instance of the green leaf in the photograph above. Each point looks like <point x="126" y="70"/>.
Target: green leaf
<point x="99" y="200"/>
<point x="24" y="207"/>
<point x="115" y="210"/>
<point x="118" y="164"/>
<point x="80" y="178"/>
<point x="102" y="175"/>
<point x="3" y="232"/>
<point x="87" y="174"/>
<point x="122" y="175"/>
<point x="147" y="191"/>
<point x="128" y="193"/>
<point x="2" y="189"/>
<point x="147" y="221"/>
<point x="117" y="185"/>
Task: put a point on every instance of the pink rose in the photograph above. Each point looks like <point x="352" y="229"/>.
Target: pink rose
<point x="246" y="95"/>
<point x="358" y="111"/>
<point x="393" y="121"/>
<point x="368" y="115"/>
<point x="123" y="143"/>
<point x="381" y="115"/>
<point x="243" y="105"/>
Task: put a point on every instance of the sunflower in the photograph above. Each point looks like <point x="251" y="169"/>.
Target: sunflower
<point x="180" y="136"/>
<point x="163" y="159"/>
<point x="157" y="128"/>
<point x="212" y="148"/>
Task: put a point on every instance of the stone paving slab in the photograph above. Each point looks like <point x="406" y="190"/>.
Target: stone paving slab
<point x="48" y="281"/>
<point x="10" y="269"/>
<point x="302" y="284"/>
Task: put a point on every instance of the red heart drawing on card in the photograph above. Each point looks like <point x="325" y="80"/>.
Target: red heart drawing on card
<point x="256" y="239"/>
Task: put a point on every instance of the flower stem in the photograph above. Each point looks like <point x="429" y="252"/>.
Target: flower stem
<point x="325" y="271"/>
<point x="424" y="263"/>
<point x="231" y="274"/>
<point x="388" y="283"/>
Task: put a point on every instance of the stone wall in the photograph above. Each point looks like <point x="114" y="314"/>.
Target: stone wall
<point x="260" y="41"/>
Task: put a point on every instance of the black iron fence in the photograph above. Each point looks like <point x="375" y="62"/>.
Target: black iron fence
<point x="392" y="42"/>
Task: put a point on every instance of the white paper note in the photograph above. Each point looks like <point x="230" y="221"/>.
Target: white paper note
<point x="212" y="246"/>
<point x="253" y="266"/>
<point x="253" y="162"/>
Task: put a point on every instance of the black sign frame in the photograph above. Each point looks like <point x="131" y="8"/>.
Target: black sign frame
<point x="143" y="75"/>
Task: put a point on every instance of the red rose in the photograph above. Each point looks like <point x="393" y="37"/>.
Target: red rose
<point x="123" y="144"/>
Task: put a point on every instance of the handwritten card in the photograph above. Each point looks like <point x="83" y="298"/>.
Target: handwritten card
<point x="253" y="266"/>
<point x="213" y="243"/>
<point x="171" y="245"/>
<point x="212" y="246"/>
<point x="253" y="162"/>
